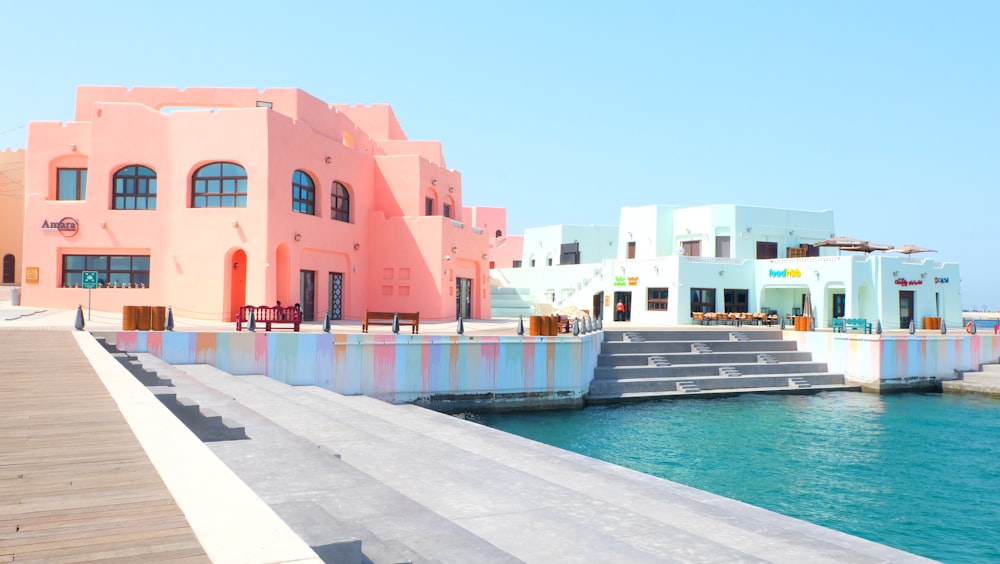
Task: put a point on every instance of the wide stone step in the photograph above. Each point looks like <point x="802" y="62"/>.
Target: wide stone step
<point x="705" y="334"/>
<point x="679" y="359"/>
<point x="706" y="369"/>
<point x="650" y="385"/>
<point x="596" y="399"/>
<point x="675" y="347"/>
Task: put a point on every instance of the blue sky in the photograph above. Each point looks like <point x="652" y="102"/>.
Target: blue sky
<point x="887" y="113"/>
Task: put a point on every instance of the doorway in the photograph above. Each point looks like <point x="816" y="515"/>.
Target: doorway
<point x="624" y="311"/>
<point x="905" y="308"/>
<point x="237" y="283"/>
<point x="307" y="293"/>
<point x="463" y="297"/>
<point x="839" y="305"/>
<point x="8" y="269"/>
<point x="335" y="297"/>
<point x="598" y="310"/>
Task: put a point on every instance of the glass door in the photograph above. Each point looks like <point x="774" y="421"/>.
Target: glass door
<point x="905" y="308"/>
<point x="839" y="305"/>
<point x="463" y="297"/>
<point x="307" y="291"/>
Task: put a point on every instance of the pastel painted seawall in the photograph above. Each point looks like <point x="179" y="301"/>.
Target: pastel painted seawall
<point x="900" y="362"/>
<point x="442" y="372"/>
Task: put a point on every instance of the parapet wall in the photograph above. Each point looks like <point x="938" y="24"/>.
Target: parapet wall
<point x="900" y="362"/>
<point x="442" y="372"/>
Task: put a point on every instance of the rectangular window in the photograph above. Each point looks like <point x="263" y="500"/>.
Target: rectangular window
<point x="446" y="210"/>
<point x="736" y="301"/>
<point x="722" y="247"/>
<point x="767" y="250"/>
<point x="569" y="253"/>
<point x="532" y="262"/>
<point x="428" y="206"/>
<point x="113" y="271"/>
<point x="71" y="184"/>
<point x="656" y="299"/>
<point x="702" y="300"/>
<point x="691" y="248"/>
<point x="795" y="252"/>
<point x="517" y="264"/>
<point x="630" y="250"/>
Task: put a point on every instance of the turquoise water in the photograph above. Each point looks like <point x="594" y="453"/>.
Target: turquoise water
<point x="919" y="472"/>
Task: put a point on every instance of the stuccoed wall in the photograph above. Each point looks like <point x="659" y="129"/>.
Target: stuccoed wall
<point x="886" y="362"/>
<point x="445" y="372"/>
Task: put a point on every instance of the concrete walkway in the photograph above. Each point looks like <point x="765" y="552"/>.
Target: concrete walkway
<point x="415" y="485"/>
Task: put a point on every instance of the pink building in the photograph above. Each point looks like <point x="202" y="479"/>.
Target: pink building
<point x="206" y="199"/>
<point x="11" y="215"/>
<point x="505" y="250"/>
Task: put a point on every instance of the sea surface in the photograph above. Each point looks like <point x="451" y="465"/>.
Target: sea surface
<point x="919" y="472"/>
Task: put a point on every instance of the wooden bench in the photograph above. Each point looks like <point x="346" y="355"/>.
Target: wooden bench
<point x="385" y="318"/>
<point x="847" y="323"/>
<point x="270" y="316"/>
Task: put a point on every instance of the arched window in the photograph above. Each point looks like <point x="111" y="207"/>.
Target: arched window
<point x="303" y="193"/>
<point x="134" y="189"/>
<point x="340" y="203"/>
<point x="8" y="269"/>
<point x="219" y="185"/>
<point x="499" y="233"/>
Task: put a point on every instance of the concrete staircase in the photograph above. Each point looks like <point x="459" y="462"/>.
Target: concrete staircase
<point x="640" y="365"/>
<point x="986" y="381"/>
<point x="206" y="424"/>
<point x="510" y="302"/>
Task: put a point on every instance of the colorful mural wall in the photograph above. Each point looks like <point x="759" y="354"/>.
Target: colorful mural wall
<point x="445" y="372"/>
<point x="886" y="361"/>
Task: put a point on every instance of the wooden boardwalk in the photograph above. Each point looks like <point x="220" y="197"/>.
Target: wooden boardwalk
<point x="75" y="484"/>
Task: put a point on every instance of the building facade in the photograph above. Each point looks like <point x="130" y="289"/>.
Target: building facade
<point x="675" y="264"/>
<point x="11" y="215"/>
<point x="207" y="199"/>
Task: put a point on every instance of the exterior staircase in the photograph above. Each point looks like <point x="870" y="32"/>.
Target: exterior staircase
<point x="511" y="302"/>
<point x="206" y="424"/>
<point x="642" y="365"/>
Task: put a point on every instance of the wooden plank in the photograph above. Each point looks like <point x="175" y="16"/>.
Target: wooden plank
<point x="75" y="485"/>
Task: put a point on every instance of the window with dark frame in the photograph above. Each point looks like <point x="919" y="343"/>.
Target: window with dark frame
<point x="446" y="210"/>
<point x="134" y="188"/>
<point x="736" y="301"/>
<point x="340" y="203"/>
<point x="303" y="193"/>
<point x="767" y="250"/>
<point x="428" y="206"/>
<point x="113" y="271"/>
<point x="516" y="264"/>
<point x="702" y="300"/>
<point x="656" y="299"/>
<point x="219" y="185"/>
<point x="630" y="250"/>
<point x="71" y="184"/>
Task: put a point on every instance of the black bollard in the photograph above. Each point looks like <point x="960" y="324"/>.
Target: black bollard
<point x="326" y="322"/>
<point x="878" y="327"/>
<point x="169" y="326"/>
<point x="395" y="323"/>
<point x="461" y="326"/>
<point x="600" y="323"/>
<point x="576" y="327"/>
<point x="913" y="328"/>
<point x="78" y="324"/>
<point x="782" y="324"/>
<point x="252" y="322"/>
<point x="520" y="325"/>
<point x="944" y="328"/>
<point x="972" y="330"/>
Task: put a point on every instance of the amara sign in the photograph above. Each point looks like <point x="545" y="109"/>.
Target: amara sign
<point x="67" y="226"/>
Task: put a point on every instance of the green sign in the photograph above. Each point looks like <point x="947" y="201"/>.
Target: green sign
<point x="90" y="279"/>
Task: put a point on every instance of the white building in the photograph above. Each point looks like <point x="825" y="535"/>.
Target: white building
<point x="672" y="262"/>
